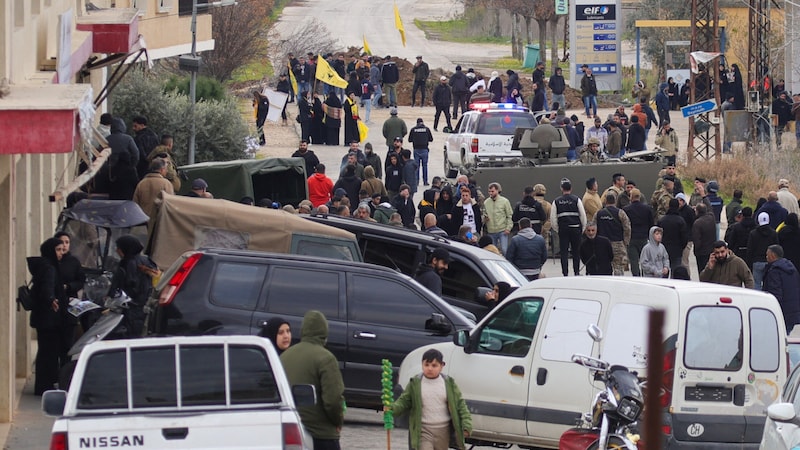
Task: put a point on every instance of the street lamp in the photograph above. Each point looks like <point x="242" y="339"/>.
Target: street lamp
<point x="192" y="64"/>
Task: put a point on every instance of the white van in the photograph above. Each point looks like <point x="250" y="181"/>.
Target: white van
<point x="204" y="392"/>
<point x="725" y="358"/>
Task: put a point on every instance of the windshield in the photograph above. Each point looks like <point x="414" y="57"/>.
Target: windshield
<point x="504" y="124"/>
<point x="505" y="271"/>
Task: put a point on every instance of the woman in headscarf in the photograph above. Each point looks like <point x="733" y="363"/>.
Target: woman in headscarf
<point x="49" y="314"/>
<point x="69" y="268"/>
<point x="305" y="116"/>
<point x="789" y="238"/>
<point x="350" y="112"/>
<point x="134" y="275"/>
<point x="496" y="87"/>
<point x="261" y="105"/>
<point x="333" y="119"/>
<point x="737" y="88"/>
<point x="499" y="292"/>
<point x="317" y="120"/>
<point x="279" y="332"/>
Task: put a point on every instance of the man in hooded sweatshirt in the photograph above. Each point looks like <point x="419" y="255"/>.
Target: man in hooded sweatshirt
<point x="654" y="259"/>
<point x="527" y="250"/>
<point x="320" y="187"/>
<point x="782" y="280"/>
<point x="759" y="240"/>
<point x="309" y="362"/>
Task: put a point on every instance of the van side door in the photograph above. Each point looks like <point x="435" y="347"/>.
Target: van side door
<point x="501" y="351"/>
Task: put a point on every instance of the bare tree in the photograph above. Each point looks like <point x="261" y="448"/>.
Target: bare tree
<point x="239" y="34"/>
<point x="311" y="36"/>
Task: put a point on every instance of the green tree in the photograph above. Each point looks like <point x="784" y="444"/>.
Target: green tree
<point x="207" y="88"/>
<point x="221" y="130"/>
<point x="653" y="39"/>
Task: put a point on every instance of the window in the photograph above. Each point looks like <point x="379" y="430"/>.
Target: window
<point x="147" y="365"/>
<point x="505" y="271"/>
<point x="293" y="291"/>
<point x="141" y="5"/>
<point x="510" y="331"/>
<point x="185" y="7"/>
<point x="391" y="254"/>
<point x="565" y="334"/>
<point x="764" y="341"/>
<point x="461" y="280"/>
<point x="324" y="247"/>
<point x="713" y="338"/>
<point x="165" y="6"/>
<point x="105" y="382"/>
<point x="504" y="124"/>
<point x="252" y="380"/>
<point x="386" y="302"/>
<point x="202" y="375"/>
<point x="237" y="285"/>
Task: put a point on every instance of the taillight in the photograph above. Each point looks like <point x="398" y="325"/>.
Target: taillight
<point x="292" y="437"/>
<point x="474" y="145"/>
<point x="666" y="430"/>
<point x="59" y="441"/>
<point x="668" y="378"/>
<point x="174" y="284"/>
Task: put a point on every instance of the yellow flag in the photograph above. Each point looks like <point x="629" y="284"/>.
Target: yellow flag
<point x="398" y="23"/>
<point x="326" y="74"/>
<point x="292" y="80"/>
<point x="366" y="46"/>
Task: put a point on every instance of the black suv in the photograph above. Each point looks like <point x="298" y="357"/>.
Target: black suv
<point x="405" y="250"/>
<point x="373" y="313"/>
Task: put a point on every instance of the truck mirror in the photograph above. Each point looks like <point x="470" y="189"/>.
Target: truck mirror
<point x="53" y="403"/>
<point x="304" y="394"/>
<point x="438" y="323"/>
<point x="595" y="332"/>
<point x="480" y="293"/>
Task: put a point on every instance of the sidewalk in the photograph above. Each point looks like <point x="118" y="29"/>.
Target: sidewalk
<point x="31" y="428"/>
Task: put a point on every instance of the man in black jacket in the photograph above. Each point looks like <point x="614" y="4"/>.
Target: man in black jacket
<point x="442" y="100"/>
<point x="430" y="274"/>
<point x="529" y="208"/>
<point x="421" y="73"/>
<point x="460" y="88"/>
<point x="146" y="140"/>
<point x="738" y="233"/>
<point x="596" y="252"/>
<point x="390" y="76"/>
<point x="557" y="85"/>
<point x="641" y="217"/>
<point x="420" y="137"/>
<point x="676" y="234"/>
<point x="760" y="239"/>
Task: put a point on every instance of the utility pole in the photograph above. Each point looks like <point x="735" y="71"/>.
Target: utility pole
<point x="704" y="138"/>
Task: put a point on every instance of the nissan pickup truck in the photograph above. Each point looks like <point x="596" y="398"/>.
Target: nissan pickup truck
<point x="483" y="137"/>
<point x="207" y="392"/>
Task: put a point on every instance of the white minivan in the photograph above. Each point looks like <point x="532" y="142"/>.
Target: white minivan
<point x="725" y="358"/>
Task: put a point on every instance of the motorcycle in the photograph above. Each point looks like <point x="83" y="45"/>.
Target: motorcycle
<point x="611" y="422"/>
<point x="114" y="323"/>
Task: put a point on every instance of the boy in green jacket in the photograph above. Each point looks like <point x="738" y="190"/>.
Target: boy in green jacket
<point x="435" y="407"/>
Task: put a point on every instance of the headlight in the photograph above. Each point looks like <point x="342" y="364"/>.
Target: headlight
<point x="629" y="409"/>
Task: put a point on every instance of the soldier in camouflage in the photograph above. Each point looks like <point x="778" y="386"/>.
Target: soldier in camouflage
<point x="660" y="199"/>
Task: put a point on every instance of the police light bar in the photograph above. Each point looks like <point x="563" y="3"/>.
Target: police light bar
<point x="487" y="106"/>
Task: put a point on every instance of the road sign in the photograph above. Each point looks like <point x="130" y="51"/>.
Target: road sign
<point x="699" y="108"/>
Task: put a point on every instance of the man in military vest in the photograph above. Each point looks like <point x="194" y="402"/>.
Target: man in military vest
<point x="568" y="218"/>
<point x="614" y="224"/>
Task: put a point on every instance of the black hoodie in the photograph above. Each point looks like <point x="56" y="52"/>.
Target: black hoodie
<point x="676" y="233"/>
<point x="760" y="238"/>
<point x="47" y="286"/>
<point x="737" y="235"/>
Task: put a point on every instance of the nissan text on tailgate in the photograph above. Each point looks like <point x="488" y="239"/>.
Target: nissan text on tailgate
<point x="209" y="392"/>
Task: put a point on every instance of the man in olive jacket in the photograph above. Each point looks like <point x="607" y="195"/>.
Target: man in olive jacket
<point x="309" y="362"/>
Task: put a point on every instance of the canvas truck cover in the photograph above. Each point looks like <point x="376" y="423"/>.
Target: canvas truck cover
<point x="280" y="179"/>
<point x="188" y="223"/>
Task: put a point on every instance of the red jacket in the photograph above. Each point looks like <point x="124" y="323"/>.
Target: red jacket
<point x="320" y="188"/>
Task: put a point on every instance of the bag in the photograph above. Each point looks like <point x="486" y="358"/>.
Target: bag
<point x="24" y="297"/>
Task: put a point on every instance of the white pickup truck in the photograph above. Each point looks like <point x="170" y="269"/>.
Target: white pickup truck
<point x="208" y="392"/>
<point x="483" y="137"/>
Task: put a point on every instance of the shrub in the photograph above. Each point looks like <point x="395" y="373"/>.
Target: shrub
<point x="207" y="88"/>
<point x="221" y="132"/>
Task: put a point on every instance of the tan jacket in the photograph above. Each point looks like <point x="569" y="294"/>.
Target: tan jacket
<point x="148" y="190"/>
<point x="591" y="204"/>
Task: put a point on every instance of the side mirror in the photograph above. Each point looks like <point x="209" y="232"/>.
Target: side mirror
<point x="53" y="403"/>
<point x="595" y="332"/>
<point x="461" y="338"/>
<point x="480" y="293"/>
<point x="304" y="394"/>
<point x="438" y="323"/>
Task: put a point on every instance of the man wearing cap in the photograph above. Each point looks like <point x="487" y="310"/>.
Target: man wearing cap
<point x="390" y="76"/>
<point x="421" y="73"/>
<point x="667" y="139"/>
<point x="699" y="195"/>
<point x="420" y="137"/>
<point x="591" y="152"/>
<point x="716" y="203"/>
<point x="733" y="207"/>
<point x="479" y="93"/>
<point x="394" y="127"/>
<point x="442" y="98"/>
<point x="660" y="199"/>
<point x="598" y="132"/>
<point x="614" y="224"/>
<point x="199" y="189"/>
<point x="777" y="213"/>
<point x="460" y="89"/>
<point x="539" y="191"/>
<point x="669" y="169"/>
<point x="786" y="198"/>
<point x="568" y="218"/>
<point x="759" y="240"/>
<point x="724" y="267"/>
<point x="430" y="274"/>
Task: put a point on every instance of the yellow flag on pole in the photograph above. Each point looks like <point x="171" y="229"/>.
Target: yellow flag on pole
<point x="366" y="46"/>
<point x="398" y="23"/>
<point x="292" y="79"/>
<point x="326" y="74"/>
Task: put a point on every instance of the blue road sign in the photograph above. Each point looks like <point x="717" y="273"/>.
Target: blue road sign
<point x="698" y="108"/>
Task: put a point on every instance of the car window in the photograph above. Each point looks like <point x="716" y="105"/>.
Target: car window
<point x="505" y="271"/>
<point x="713" y="338"/>
<point x="461" y="279"/>
<point x="391" y="254"/>
<point x="504" y="123"/>
<point x="153" y="380"/>
<point x="251" y="376"/>
<point x="104" y="384"/>
<point x="387" y="302"/>
<point x="237" y="285"/>
<point x="790" y="391"/>
<point x="202" y="375"/>
<point x="794" y="353"/>
<point x="565" y="333"/>
<point x="764" y="341"/>
<point x="325" y="247"/>
<point x="510" y="330"/>
<point x="294" y="290"/>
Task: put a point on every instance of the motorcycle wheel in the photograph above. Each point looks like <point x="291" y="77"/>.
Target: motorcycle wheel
<point x="614" y="443"/>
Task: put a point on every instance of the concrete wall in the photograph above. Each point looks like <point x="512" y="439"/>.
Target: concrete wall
<point x="165" y="29"/>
